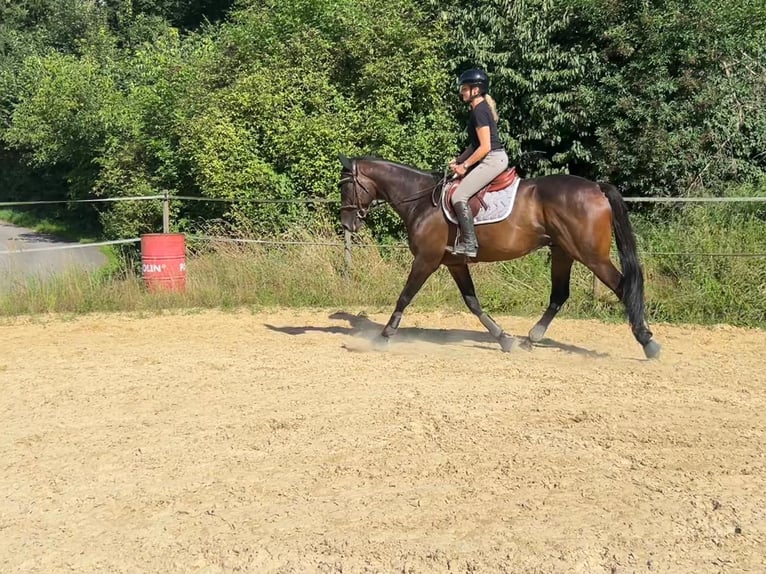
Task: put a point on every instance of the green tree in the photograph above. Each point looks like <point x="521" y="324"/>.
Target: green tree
<point x="255" y="108"/>
<point x="680" y="88"/>
<point x="660" y="97"/>
<point x="536" y="77"/>
<point x="292" y="85"/>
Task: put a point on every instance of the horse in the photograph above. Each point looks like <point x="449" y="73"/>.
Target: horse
<point x="571" y="215"/>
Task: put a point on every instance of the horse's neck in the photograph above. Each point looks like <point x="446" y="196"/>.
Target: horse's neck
<point x="408" y="191"/>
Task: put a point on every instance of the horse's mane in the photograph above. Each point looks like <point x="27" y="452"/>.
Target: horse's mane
<point x="434" y="174"/>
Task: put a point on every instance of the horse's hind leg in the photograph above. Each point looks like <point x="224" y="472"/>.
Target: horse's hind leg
<point x="605" y="270"/>
<point x="462" y="277"/>
<point x="421" y="270"/>
<point x="561" y="269"/>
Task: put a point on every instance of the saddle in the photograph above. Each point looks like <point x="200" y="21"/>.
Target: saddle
<point x="476" y="203"/>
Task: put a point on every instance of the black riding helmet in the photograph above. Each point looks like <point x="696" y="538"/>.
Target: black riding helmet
<point x="475" y="77"/>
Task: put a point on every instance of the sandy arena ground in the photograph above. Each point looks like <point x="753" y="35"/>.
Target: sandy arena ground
<point x="284" y="441"/>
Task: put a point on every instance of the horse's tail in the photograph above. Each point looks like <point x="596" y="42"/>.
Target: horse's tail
<point x="632" y="276"/>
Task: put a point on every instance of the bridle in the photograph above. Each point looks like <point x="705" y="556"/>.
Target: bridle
<point x="361" y="213"/>
<point x="357" y="204"/>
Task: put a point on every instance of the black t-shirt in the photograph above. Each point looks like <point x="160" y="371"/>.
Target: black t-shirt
<point x="481" y="115"/>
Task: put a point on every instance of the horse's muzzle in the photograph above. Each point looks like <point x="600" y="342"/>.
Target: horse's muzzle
<point x="351" y="221"/>
<point x="353" y="226"/>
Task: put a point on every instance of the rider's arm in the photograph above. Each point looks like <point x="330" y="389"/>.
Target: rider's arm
<point x="485" y="146"/>
<point x="465" y="155"/>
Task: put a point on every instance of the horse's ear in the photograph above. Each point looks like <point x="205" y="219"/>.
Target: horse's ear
<point x="345" y="162"/>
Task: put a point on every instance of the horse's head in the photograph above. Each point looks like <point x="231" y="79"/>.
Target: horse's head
<point x="357" y="192"/>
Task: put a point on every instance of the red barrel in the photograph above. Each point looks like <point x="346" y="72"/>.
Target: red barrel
<point x="163" y="261"/>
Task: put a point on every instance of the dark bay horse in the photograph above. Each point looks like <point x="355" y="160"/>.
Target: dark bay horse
<point x="571" y="215"/>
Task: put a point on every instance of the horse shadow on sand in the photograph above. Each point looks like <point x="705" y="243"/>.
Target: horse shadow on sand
<point x="361" y="326"/>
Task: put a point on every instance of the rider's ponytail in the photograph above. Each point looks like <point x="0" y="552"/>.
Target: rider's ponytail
<point x="492" y="106"/>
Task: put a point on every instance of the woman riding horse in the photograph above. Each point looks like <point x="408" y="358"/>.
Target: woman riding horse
<point x="482" y="161"/>
<point x="571" y="215"/>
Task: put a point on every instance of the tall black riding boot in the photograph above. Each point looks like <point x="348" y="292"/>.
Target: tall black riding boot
<point x="467" y="245"/>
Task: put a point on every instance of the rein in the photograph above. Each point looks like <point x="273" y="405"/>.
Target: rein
<point x="362" y="213"/>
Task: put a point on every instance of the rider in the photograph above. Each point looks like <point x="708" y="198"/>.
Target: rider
<point x="483" y="160"/>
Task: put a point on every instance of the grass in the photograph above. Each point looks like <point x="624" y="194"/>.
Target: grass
<point x="680" y="288"/>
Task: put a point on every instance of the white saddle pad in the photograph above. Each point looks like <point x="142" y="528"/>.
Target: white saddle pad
<point x="499" y="205"/>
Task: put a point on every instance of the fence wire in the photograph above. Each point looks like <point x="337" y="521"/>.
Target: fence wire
<point x="20" y="248"/>
<point x="347" y="244"/>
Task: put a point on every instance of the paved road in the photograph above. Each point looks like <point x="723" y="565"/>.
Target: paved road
<point x="22" y="262"/>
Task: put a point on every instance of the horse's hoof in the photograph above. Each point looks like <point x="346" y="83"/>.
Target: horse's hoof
<point x="506" y="342"/>
<point x="652" y="349"/>
<point x="537" y="333"/>
<point x="381" y="343"/>
<point x="526" y="345"/>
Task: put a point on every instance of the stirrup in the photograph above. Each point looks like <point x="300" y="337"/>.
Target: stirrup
<point x="461" y="249"/>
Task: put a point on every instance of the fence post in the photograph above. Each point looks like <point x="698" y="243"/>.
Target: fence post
<point x="166" y="213"/>
<point x="347" y="249"/>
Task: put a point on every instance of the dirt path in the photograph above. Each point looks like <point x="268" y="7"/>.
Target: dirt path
<point x="284" y="442"/>
<point x="17" y="261"/>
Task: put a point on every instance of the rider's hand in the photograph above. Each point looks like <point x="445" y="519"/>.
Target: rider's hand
<point x="458" y="168"/>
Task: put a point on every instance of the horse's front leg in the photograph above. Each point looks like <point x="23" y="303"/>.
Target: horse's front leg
<point x="422" y="269"/>
<point x="462" y="277"/>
